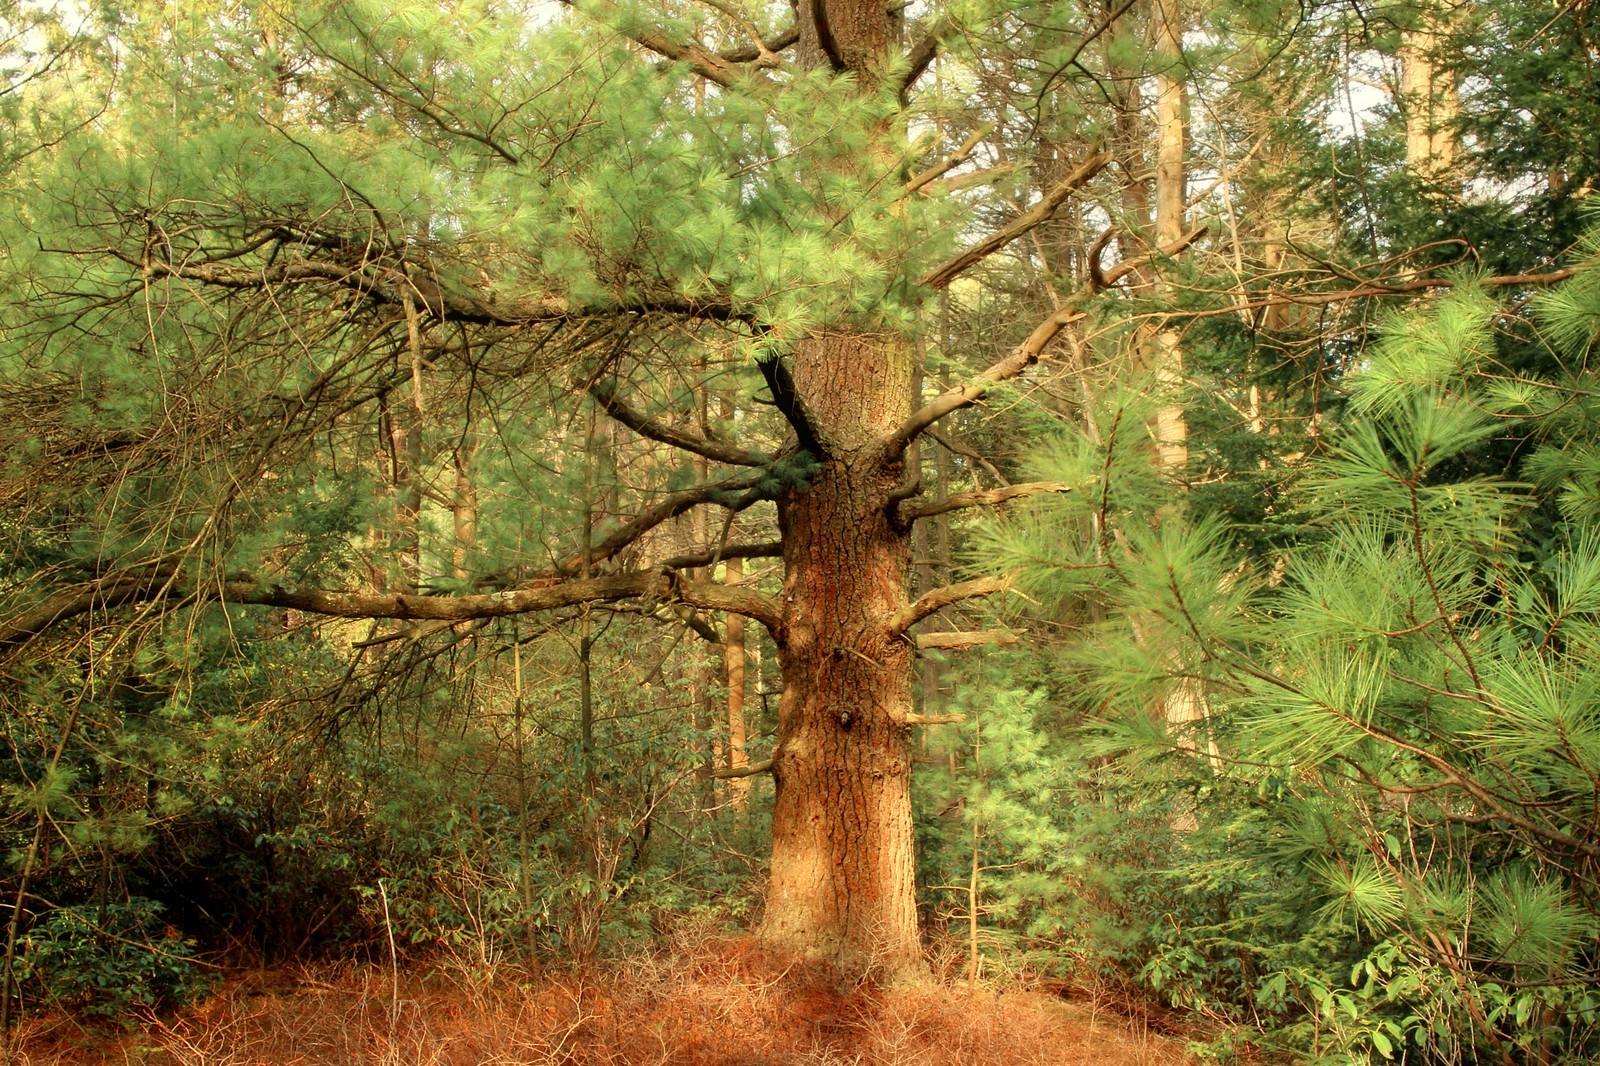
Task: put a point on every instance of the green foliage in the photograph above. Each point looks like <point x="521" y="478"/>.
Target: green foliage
<point x="106" y="962"/>
<point x="1385" y="854"/>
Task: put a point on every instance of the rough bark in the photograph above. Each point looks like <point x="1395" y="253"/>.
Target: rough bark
<point x="843" y="881"/>
<point x="843" y="874"/>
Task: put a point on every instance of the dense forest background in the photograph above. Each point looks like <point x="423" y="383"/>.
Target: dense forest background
<point x="415" y="417"/>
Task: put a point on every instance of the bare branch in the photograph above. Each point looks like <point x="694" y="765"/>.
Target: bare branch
<point x="985" y="498"/>
<point x="660" y="585"/>
<point x="1021" y="358"/>
<point x="764" y="550"/>
<point x="1039" y="213"/>
<point x="934" y="719"/>
<point x="605" y="395"/>
<point x="943" y="167"/>
<point x="940" y="598"/>
<point x="748" y="770"/>
<point x="736" y="494"/>
<point x="974" y="638"/>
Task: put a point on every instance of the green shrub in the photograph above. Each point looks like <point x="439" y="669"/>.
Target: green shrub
<point x="106" y="964"/>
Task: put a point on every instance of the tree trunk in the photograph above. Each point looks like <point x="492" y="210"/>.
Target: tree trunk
<point x="1172" y="429"/>
<point x="843" y="882"/>
<point x="733" y="656"/>
<point x="1430" y="99"/>
<point x="843" y="875"/>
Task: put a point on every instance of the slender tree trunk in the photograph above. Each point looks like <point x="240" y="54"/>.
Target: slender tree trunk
<point x="464" y="508"/>
<point x="405" y="433"/>
<point x="1172" y="430"/>
<point x="733" y="673"/>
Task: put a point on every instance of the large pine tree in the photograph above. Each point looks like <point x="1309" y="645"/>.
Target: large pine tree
<point x="315" y="278"/>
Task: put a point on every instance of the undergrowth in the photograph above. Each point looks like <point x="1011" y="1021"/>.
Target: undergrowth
<point x="719" y="1002"/>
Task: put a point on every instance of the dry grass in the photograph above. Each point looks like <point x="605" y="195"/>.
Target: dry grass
<point x="723" y="1003"/>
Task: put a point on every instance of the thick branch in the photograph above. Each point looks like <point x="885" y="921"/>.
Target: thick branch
<point x="940" y="598"/>
<point x="923" y="53"/>
<point x="660" y="585"/>
<point x="723" y="452"/>
<point x="104" y="594"/>
<point x="390" y="286"/>
<point x="974" y="638"/>
<point x="786" y="398"/>
<point x="985" y="498"/>
<point x="1038" y="214"/>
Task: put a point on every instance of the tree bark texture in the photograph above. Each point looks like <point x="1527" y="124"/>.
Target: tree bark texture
<point x="842" y="865"/>
<point x="843" y="873"/>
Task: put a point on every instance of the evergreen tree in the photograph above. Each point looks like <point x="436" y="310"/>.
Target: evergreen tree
<point x="307" y="238"/>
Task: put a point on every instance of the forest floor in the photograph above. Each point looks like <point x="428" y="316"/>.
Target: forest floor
<point x="723" y="1004"/>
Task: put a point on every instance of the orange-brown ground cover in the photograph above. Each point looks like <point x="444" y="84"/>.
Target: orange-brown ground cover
<point x="724" y="1004"/>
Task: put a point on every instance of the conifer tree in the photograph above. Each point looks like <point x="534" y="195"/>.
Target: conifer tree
<point x="474" y="244"/>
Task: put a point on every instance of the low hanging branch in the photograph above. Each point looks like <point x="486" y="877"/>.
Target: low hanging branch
<point x="659" y="586"/>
